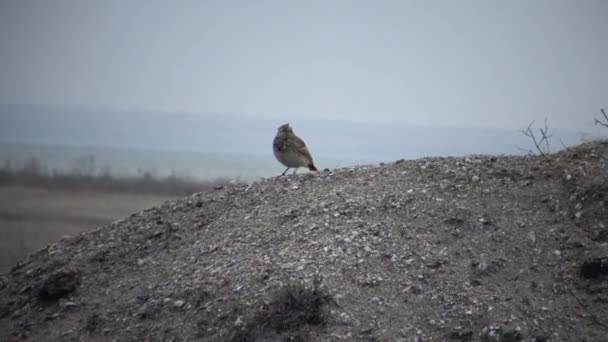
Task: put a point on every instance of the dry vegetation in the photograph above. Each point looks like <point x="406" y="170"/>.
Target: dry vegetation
<point x="38" y="207"/>
<point x="292" y="311"/>
<point x="84" y="175"/>
<point x="31" y="217"/>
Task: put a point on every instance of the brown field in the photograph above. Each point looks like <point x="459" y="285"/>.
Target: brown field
<point x="32" y="217"/>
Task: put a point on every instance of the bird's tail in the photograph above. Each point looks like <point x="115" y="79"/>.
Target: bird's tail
<point x="312" y="167"/>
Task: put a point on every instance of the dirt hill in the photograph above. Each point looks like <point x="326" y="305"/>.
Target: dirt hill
<point x="482" y="248"/>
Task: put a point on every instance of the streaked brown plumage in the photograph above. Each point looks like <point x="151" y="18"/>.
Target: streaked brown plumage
<point x="291" y="151"/>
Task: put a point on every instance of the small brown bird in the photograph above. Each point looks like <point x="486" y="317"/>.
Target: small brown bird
<point x="291" y="151"/>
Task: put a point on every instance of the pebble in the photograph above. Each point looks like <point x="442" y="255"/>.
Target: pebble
<point x="69" y="304"/>
<point x="179" y="303"/>
<point x="532" y="237"/>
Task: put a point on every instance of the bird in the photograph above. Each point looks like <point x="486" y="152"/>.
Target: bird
<point x="291" y="151"/>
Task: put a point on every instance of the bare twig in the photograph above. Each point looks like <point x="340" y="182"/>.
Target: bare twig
<point x="527" y="150"/>
<point x="567" y="334"/>
<point x="599" y="122"/>
<point x="541" y="145"/>
<point x="592" y="316"/>
<point x="545" y="136"/>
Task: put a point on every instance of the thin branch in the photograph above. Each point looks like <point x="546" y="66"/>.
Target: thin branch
<point x="593" y="317"/>
<point x="527" y="150"/>
<point x="530" y="134"/>
<point x="545" y="136"/>
<point x="538" y="143"/>
<point x="598" y="122"/>
<point x="567" y="334"/>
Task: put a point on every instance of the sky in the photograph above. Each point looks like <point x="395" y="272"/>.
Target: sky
<point x="456" y="63"/>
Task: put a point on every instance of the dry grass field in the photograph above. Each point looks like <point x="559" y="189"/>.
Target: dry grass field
<point x="31" y="217"/>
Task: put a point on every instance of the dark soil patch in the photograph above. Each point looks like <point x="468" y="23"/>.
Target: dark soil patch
<point x="594" y="268"/>
<point x="92" y="323"/>
<point x="58" y="285"/>
<point x="291" y="309"/>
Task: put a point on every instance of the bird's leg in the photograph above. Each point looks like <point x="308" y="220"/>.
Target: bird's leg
<point x="283" y="174"/>
<point x="294" y="171"/>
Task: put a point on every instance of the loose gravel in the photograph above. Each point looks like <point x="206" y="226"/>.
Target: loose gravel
<point x="478" y="248"/>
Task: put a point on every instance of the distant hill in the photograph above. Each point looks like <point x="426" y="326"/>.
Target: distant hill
<point x="214" y="133"/>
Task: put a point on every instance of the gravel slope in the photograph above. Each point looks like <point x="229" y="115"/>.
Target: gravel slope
<point x="482" y="248"/>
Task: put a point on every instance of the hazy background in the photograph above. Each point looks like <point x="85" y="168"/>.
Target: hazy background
<point x="394" y="78"/>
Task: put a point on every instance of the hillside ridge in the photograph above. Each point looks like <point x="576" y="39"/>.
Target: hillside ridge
<point x="476" y="248"/>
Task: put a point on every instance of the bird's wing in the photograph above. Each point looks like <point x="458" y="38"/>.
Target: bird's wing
<point x="279" y="144"/>
<point x="301" y="147"/>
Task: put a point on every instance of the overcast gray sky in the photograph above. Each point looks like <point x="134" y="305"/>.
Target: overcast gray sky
<point x="483" y="63"/>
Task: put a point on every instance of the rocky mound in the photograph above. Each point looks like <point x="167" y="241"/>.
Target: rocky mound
<point x="491" y="248"/>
